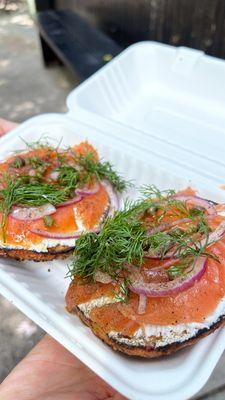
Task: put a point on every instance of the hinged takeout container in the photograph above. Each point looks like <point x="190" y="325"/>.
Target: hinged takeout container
<point x="158" y="114"/>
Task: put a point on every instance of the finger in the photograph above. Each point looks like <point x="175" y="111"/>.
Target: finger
<point x="6" y="126"/>
<point x="49" y="349"/>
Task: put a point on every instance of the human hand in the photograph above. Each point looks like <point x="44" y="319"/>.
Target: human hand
<point x="50" y="372"/>
<point x="6" y="126"/>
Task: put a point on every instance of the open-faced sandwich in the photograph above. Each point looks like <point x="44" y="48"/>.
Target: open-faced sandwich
<point x="153" y="280"/>
<point x="48" y="196"/>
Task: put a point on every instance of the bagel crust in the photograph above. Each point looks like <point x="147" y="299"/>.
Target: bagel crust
<point x="53" y="253"/>
<point x="147" y="351"/>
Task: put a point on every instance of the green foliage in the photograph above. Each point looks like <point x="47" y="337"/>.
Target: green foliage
<point x="124" y="238"/>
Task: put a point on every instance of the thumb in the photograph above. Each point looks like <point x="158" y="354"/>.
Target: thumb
<point x="6" y="126"/>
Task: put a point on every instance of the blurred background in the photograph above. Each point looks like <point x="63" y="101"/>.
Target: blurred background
<point x="194" y="23"/>
<point x="48" y="47"/>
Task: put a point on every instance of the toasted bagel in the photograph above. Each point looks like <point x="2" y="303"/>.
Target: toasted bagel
<point x="129" y="344"/>
<point x="147" y="351"/>
<point x="49" y="197"/>
<point x="53" y="253"/>
<point x="167" y="300"/>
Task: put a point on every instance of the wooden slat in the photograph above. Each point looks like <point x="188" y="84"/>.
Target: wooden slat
<point x="78" y="44"/>
<point x="194" y="23"/>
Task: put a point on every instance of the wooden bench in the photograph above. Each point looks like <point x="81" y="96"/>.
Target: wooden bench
<point x="70" y="39"/>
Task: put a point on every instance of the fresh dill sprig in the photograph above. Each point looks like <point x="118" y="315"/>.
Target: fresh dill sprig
<point x="39" y="165"/>
<point x="28" y="194"/>
<point x="36" y="189"/>
<point x="18" y="162"/>
<point x="68" y="176"/>
<point x="42" y="142"/>
<point x="151" y="191"/>
<point x="90" y="168"/>
<point x="120" y="240"/>
<point x="6" y="203"/>
<point x="159" y="243"/>
<point x="177" y="270"/>
<point x="124" y="238"/>
<point x="100" y="170"/>
<point x="37" y="162"/>
<point x="123" y="292"/>
<point x="38" y="194"/>
<point x="187" y="246"/>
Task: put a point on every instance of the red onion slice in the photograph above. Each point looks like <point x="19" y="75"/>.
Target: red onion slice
<point x="74" y="200"/>
<point x="214" y="236"/>
<point x="158" y="256"/>
<point x="32" y="213"/>
<point x="53" y="175"/>
<point x="60" y="236"/>
<point x="87" y="192"/>
<point x="197" y="201"/>
<point x="150" y="256"/>
<point x="113" y="196"/>
<point x="168" y="264"/>
<point x="32" y="172"/>
<point x="159" y="274"/>
<point x="81" y="193"/>
<point x="142" y="304"/>
<point x="102" y="277"/>
<point x="52" y="235"/>
<point x="211" y="239"/>
<point x="168" y="225"/>
<point x="164" y="289"/>
<point x="156" y="275"/>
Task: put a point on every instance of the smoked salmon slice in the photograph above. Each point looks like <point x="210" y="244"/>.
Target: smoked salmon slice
<point x="50" y="196"/>
<point x="191" y="227"/>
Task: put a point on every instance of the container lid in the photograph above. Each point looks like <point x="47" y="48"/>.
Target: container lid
<point x="166" y="100"/>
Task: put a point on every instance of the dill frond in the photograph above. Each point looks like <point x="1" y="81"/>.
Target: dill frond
<point x="124" y="238"/>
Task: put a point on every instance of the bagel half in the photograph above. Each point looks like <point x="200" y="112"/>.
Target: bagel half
<point x="148" y="347"/>
<point x="49" y="197"/>
<point x="166" y="302"/>
<point x="147" y="351"/>
<point x="52" y="253"/>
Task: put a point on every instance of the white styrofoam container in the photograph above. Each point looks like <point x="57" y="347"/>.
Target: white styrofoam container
<point x="171" y="101"/>
<point x="157" y="113"/>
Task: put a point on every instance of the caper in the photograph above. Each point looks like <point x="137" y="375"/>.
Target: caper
<point x="19" y="162"/>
